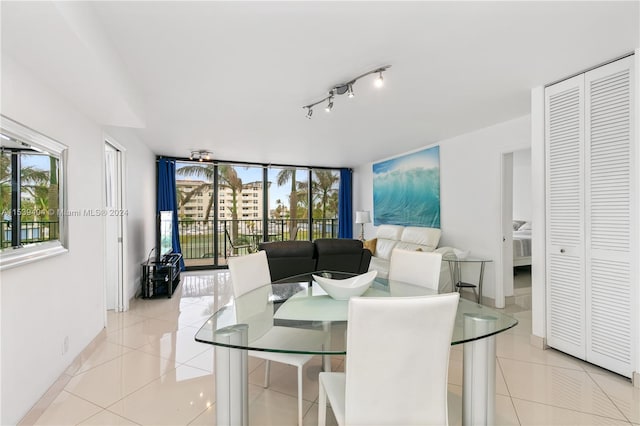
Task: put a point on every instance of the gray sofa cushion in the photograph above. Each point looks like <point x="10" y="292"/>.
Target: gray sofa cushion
<point x="288" y="258"/>
<point x="341" y="254"/>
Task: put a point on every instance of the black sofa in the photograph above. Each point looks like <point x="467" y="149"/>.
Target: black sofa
<point x="288" y="258"/>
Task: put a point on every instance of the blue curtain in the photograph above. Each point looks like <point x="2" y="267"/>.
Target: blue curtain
<point x="345" y="208"/>
<point x="167" y="199"/>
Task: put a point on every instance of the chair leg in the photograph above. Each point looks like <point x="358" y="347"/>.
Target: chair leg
<point x="322" y="405"/>
<point x="267" y="373"/>
<point x="300" y="396"/>
<point x="326" y="363"/>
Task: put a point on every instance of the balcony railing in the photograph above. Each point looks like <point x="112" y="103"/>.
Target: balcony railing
<point x="30" y="232"/>
<point x="197" y="236"/>
<point x="243" y="236"/>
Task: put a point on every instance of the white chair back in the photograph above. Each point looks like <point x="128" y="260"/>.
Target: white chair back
<point x="249" y="272"/>
<point x="416" y="267"/>
<point x="397" y="363"/>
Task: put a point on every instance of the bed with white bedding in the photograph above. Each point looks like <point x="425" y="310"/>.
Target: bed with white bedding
<point x="521" y="243"/>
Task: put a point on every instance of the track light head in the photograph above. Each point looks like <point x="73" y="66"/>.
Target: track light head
<point x="329" y="105"/>
<point x="350" y="91"/>
<point x="379" y="82"/>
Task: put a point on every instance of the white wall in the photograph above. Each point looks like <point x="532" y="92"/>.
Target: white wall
<point x="470" y="195"/>
<point x="46" y="301"/>
<point x="522" y="185"/>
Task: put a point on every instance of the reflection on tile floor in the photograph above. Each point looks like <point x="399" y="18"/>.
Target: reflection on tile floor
<point x="148" y="370"/>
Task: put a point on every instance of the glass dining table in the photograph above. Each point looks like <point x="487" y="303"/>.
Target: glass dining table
<point x="289" y="315"/>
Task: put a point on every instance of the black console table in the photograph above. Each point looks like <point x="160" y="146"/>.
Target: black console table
<point x="160" y="278"/>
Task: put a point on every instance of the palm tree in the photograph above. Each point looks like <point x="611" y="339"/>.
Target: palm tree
<point x="303" y="200"/>
<point x="323" y="189"/>
<point x="53" y="194"/>
<point x="36" y="182"/>
<point x="5" y="182"/>
<point x="229" y="179"/>
<point x="284" y="176"/>
<point x="203" y="171"/>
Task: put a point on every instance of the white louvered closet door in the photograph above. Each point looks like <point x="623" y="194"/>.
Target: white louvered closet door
<point x="564" y="115"/>
<point x="591" y="216"/>
<point x="608" y="209"/>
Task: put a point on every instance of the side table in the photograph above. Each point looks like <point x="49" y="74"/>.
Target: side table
<point x="455" y="269"/>
<point x="160" y="278"/>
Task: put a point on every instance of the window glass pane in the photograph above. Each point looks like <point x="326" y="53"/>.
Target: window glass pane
<point x="238" y="188"/>
<point x="194" y="187"/>
<point x="39" y="198"/>
<point x="288" y="204"/>
<point x="324" y="192"/>
<point x="5" y="198"/>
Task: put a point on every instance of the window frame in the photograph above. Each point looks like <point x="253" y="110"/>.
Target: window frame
<point x="32" y="252"/>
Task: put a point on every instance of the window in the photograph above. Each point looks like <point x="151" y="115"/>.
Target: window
<point x="34" y="218"/>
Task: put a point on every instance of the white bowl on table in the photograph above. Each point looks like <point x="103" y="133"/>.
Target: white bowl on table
<point x="348" y="287"/>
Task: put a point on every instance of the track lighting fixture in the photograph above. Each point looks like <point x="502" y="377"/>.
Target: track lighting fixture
<point x="200" y="155"/>
<point x="347" y="88"/>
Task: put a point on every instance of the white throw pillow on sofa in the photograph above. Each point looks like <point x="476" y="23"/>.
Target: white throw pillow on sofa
<point x="384" y="248"/>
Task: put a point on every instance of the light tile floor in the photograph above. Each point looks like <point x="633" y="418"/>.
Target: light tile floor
<point x="146" y="369"/>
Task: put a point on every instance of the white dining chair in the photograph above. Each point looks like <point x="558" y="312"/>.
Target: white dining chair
<point x="248" y="273"/>
<point x="416" y="267"/>
<point x="396" y="367"/>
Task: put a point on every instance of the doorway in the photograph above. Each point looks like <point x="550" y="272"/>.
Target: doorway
<point x="114" y="228"/>
<point x="516" y="229"/>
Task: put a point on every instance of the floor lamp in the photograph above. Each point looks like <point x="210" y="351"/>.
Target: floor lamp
<point x="362" y="218"/>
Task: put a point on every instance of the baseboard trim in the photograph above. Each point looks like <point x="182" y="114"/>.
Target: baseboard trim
<point x="538" y="342"/>
<point x="54" y="390"/>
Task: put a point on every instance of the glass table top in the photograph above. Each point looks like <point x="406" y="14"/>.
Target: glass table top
<point x="292" y="315"/>
<point x="450" y="257"/>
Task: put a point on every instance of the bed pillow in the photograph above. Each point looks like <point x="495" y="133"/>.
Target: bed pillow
<point x="525" y="227"/>
<point x="517" y="224"/>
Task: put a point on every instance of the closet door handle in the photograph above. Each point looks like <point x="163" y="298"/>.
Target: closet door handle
<point x="561" y="250"/>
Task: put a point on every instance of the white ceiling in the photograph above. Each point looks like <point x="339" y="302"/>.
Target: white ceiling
<point x="231" y="77"/>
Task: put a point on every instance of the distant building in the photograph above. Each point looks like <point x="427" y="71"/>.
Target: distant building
<point x="249" y="202"/>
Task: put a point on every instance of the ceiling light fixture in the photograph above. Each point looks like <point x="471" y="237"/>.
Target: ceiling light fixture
<point x="342" y="88"/>
<point x="200" y="155"/>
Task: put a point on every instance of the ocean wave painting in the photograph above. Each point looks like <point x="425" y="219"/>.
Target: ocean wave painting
<point x="406" y="190"/>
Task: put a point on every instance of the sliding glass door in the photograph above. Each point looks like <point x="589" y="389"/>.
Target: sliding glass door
<point x="227" y="210"/>
<point x="196" y="214"/>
